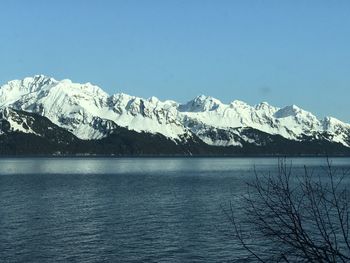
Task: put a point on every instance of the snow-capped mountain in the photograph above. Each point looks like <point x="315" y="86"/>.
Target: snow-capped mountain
<point x="11" y="120"/>
<point x="90" y="113"/>
<point x="15" y="121"/>
<point x="80" y="108"/>
<point x="25" y="133"/>
<point x="291" y="122"/>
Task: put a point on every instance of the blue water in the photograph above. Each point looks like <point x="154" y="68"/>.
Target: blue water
<point x="125" y="210"/>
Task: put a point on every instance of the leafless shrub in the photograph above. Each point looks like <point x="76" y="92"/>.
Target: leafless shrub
<point x="295" y="218"/>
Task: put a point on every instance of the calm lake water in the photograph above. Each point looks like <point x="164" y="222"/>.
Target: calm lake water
<point x="125" y="210"/>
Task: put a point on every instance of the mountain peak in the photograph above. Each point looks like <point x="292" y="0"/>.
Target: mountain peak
<point x="239" y="104"/>
<point x="201" y="103"/>
<point x="331" y="123"/>
<point x="41" y="76"/>
<point x="153" y="99"/>
<point x="203" y="98"/>
<point x="263" y="105"/>
<point x="37" y="80"/>
<point x="291" y="110"/>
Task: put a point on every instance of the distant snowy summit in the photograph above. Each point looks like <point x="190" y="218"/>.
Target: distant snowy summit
<point x="89" y="113"/>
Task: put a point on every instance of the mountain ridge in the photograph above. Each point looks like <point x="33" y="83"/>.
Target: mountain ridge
<point x="90" y="113"/>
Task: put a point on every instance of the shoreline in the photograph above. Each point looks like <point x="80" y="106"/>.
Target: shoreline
<point x="101" y="156"/>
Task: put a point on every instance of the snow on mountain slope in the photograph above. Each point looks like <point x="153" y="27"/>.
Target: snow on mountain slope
<point x="150" y="115"/>
<point x="290" y="122"/>
<point x="339" y="131"/>
<point x="90" y="113"/>
<point x="79" y="107"/>
<point x="15" y="122"/>
<point x="11" y="120"/>
<point x="69" y="105"/>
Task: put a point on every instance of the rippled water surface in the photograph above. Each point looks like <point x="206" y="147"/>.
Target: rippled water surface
<point x="125" y="210"/>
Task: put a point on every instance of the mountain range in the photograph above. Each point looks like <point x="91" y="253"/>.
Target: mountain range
<point x="41" y="115"/>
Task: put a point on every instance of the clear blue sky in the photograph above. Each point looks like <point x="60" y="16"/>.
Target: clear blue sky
<point x="283" y="52"/>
